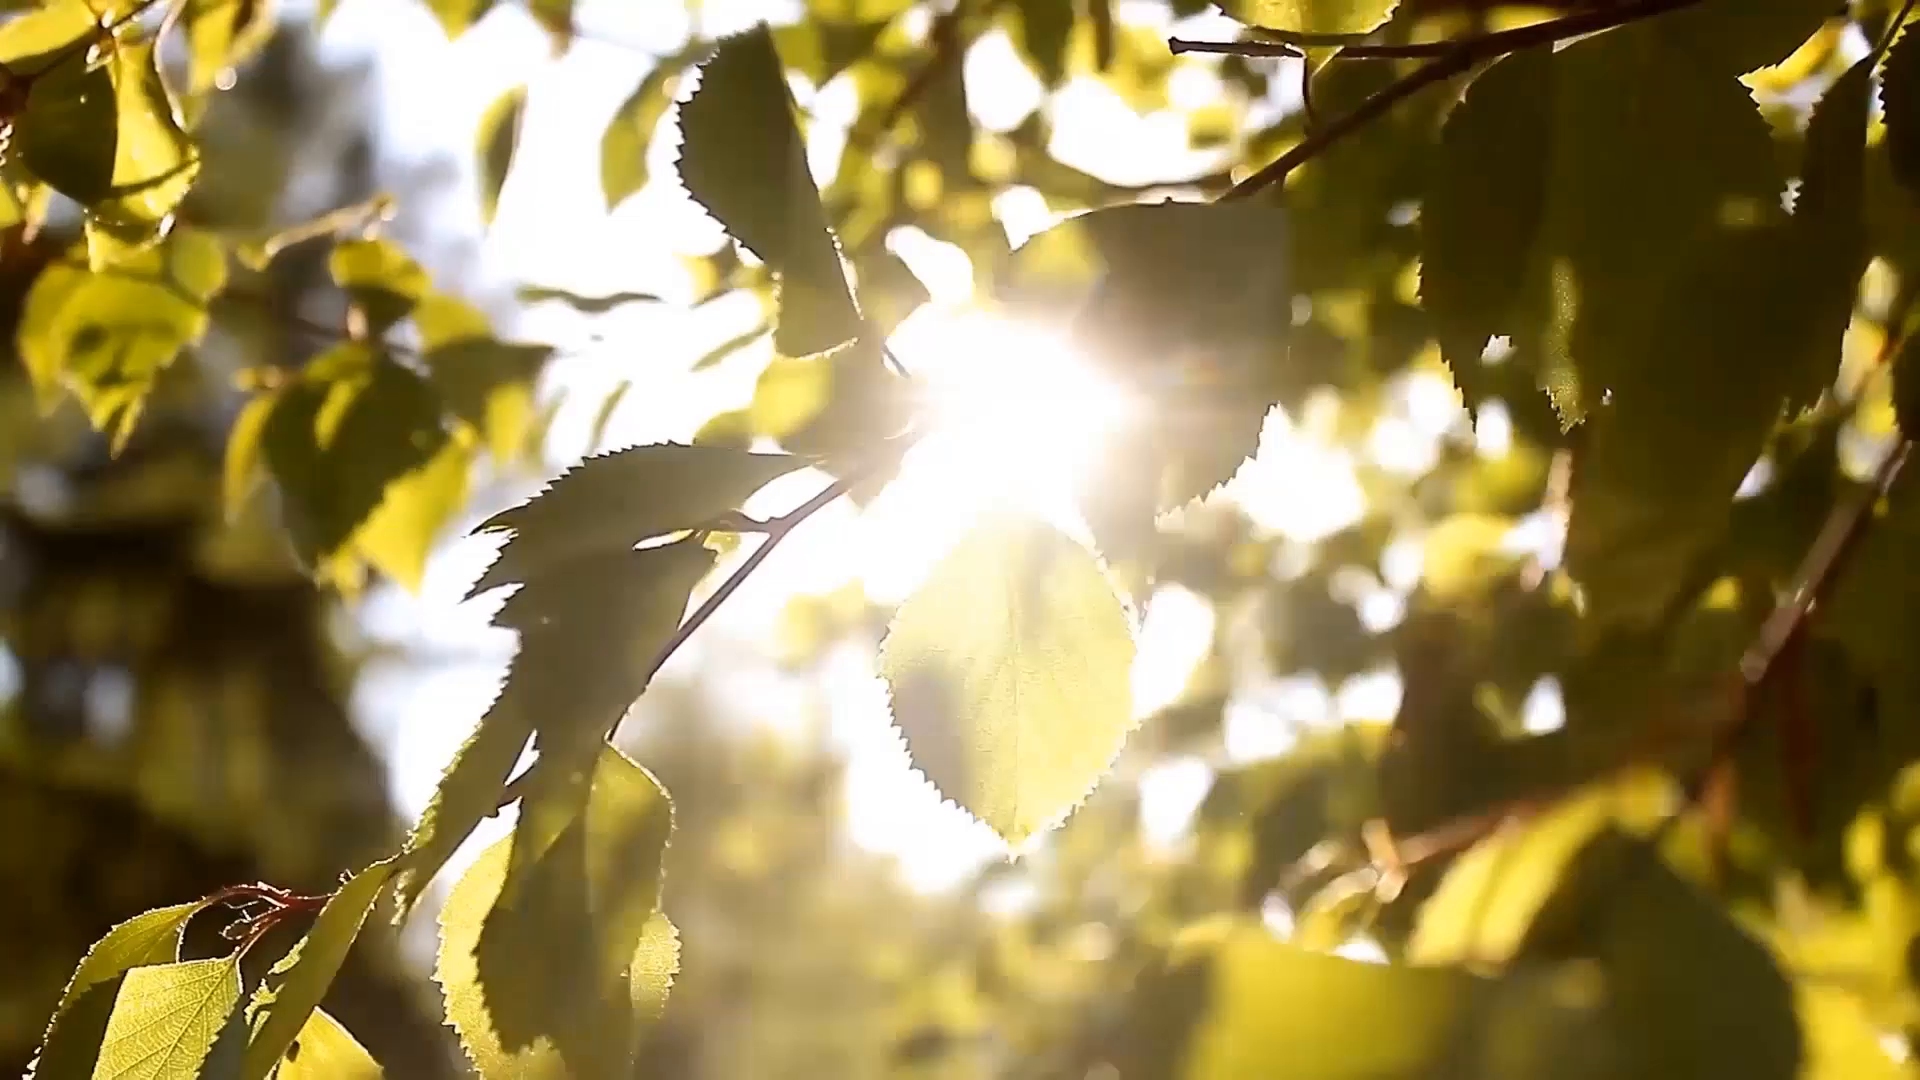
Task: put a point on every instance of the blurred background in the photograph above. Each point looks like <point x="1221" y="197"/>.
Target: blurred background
<point x="185" y="707"/>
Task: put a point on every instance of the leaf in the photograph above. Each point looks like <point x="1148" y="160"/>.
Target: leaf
<point x="397" y="537"/>
<point x="1478" y="224"/>
<point x="458" y="16"/>
<point x="592" y="626"/>
<point x="106" y="335"/>
<point x="380" y="278"/>
<point x="1312" y="16"/>
<point x="324" y="1050"/>
<point x="499" y="136"/>
<point x="1191" y="314"/>
<point x="79" y="1023"/>
<point x="623" y="146"/>
<point x="243" y="453"/>
<point x="743" y="159"/>
<point x="222" y="34"/>
<point x="1008" y="673"/>
<point x="286" y="999"/>
<point x="1734" y="37"/>
<point x="1900" y="94"/>
<point x="587" y="305"/>
<point x="610" y="502"/>
<point x="577" y="960"/>
<point x="555" y="16"/>
<point x="106" y="135"/>
<point x="1046" y="26"/>
<point x="354" y="423"/>
<point x="173" y="1020"/>
<point x="649" y="978"/>
<point x="890" y="290"/>
<point x="490" y="384"/>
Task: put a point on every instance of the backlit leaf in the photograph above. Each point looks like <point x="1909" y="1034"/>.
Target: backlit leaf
<point x="174" y="1020"/>
<point x="1008" y="671"/>
<point x="380" y="278"/>
<point x="324" y="1050"/>
<point x="487" y="382"/>
<point x="457" y="16"/>
<point x="286" y="999"/>
<point x="623" y="146"/>
<point x="222" y="34"/>
<point x="73" y="1037"/>
<point x="610" y="502"/>
<point x="1312" y="16"/>
<point x="499" y="136"/>
<point x="397" y="537"/>
<point x="1900" y="95"/>
<point x="743" y="159"/>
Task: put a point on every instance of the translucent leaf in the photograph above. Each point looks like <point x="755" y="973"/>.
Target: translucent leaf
<point x="397" y="537"/>
<point x="649" y="978"/>
<point x="173" y="1021"/>
<point x="53" y="32"/>
<point x="610" y="502"/>
<point x="106" y="335"/>
<point x="591" y="631"/>
<point x="586" y="305"/>
<point x="456" y="16"/>
<point x="354" y="423"/>
<point x="72" y="1041"/>
<point x="742" y="157"/>
<point x="324" y="1050"/>
<point x="222" y="34"/>
<point x="242" y="466"/>
<point x="576" y="957"/>
<point x="286" y="999"/>
<point x="499" y="136"/>
<point x="1312" y="16"/>
<point x="623" y="146"/>
<point x="380" y="278"/>
<point x="489" y="383"/>
<point x="1009" y="675"/>
<point x="1479" y="225"/>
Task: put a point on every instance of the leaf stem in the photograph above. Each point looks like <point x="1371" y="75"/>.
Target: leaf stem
<point x="1450" y="59"/>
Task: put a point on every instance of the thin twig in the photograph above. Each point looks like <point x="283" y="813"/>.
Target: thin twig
<point x="1451" y="59"/>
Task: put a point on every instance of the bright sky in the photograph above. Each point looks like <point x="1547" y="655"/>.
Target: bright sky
<point x="551" y="230"/>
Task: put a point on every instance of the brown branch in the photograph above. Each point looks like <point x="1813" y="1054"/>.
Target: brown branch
<point x="1451" y="59"/>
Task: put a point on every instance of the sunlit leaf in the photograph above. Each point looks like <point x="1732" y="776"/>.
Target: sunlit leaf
<point x="380" y="278"/>
<point x="610" y="502"/>
<point x="1008" y="671"/>
<point x="1312" y="16"/>
<point x="743" y="158"/>
<point x="499" y="136"/>
<point x="73" y="1037"/>
<point x="398" y="536"/>
<point x="286" y="999"/>
<point x="578" y="959"/>
<point x="222" y="34"/>
<point x="456" y="16"/>
<point x="324" y="1050"/>
<point x="174" y="1020"/>
<point x="623" y="146"/>
<point x="106" y="335"/>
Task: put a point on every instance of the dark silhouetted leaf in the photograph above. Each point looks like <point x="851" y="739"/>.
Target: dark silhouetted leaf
<point x="1900" y="95"/>
<point x="743" y="159"/>
<point x="1008" y="671"/>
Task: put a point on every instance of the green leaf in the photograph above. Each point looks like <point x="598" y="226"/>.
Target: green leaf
<point x="490" y="384"/>
<point x="743" y="159"/>
<point x="576" y="957"/>
<point x="1478" y="223"/>
<point x="1009" y="672"/>
<point x="499" y="136"/>
<point x="890" y="290"/>
<point x="79" y="1023"/>
<point x="1046" y="26"/>
<point x="457" y="16"/>
<point x="380" y="278"/>
<point x="106" y="335"/>
<point x="623" y="146"/>
<point x="821" y="48"/>
<point x="174" y="1020"/>
<point x="1900" y="94"/>
<point x="242" y="466"/>
<point x="649" y="978"/>
<point x="397" y="537"/>
<point x="1312" y="16"/>
<point x="52" y="33"/>
<point x="222" y="34"/>
<point x="610" y="502"/>
<point x="1191" y="316"/>
<point x="288" y="996"/>
<point x="324" y="1050"/>
<point x="586" y="305"/>
<point x="1733" y="37"/>
<point x="354" y="423"/>
<point x="592" y="625"/>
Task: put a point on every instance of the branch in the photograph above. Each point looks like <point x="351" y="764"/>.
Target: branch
<point x="1450" y="59"/>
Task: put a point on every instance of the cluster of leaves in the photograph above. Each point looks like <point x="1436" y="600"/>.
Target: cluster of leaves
<point x="1617" y="209"/>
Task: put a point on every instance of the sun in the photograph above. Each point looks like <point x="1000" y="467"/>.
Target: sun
<point x="1012" y="417"/>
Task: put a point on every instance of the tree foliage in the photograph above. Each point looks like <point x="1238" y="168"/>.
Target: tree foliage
<point x="1667" y="246"/>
